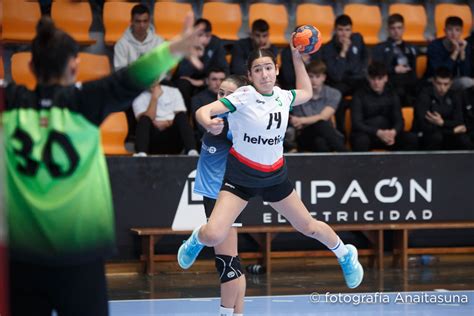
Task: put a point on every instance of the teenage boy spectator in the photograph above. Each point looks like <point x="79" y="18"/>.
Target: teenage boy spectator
<point x="209" y="95"/>
<point x="346" y="57"/>
<point x="400" y="59"/>
<point x="137" y="40"/>
<point x="377" y="121"/>
<point x="259" y="38"/>
<point x="188" y="78"/>
<point x="313" y="118"/>
<point x="162" y="126"/>
<point x="452" y="52"/>
<point x="438" y="115"/>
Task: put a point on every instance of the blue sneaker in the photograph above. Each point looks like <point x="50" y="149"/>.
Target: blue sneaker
<point x="351" y="268"/>
<point x="189" y="250"/>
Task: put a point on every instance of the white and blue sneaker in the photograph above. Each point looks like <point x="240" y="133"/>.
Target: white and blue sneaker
<point x="189" y="250"/>
<point x="351" y="268"/>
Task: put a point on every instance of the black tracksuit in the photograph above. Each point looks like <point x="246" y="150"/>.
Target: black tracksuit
<point x="345" y="74"/>
<point x="372" y="111"/>
<point x="449" y="106"/>
<point x="391" y="54"/>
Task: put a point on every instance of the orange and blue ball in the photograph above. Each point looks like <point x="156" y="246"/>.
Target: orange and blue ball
<point x="308" y="39"/>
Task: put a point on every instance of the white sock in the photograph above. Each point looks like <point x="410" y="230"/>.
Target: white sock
<point x="340" y="250"/>
<point x="197" y="235"/>
<point x="226" y="311"/>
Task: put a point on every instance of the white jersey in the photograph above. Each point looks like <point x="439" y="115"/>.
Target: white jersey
<point x="258" y="124"/>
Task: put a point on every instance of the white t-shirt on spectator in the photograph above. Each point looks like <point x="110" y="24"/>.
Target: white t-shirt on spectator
<point x="169" y="103"/>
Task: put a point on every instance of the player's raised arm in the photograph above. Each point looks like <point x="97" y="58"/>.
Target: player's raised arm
<point x="304" y="91"/>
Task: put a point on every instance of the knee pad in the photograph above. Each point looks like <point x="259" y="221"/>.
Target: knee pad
<point x="228" y="268"/>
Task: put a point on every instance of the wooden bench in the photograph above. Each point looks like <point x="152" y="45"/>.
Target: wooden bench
<point x="263" y="235"/>
<point x="401" y="248"/>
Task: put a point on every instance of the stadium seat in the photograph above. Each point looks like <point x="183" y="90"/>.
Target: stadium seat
<point x="444" y="10"/>
<point x="407" y="113"/>
<point x="415" y="21"/>
<point x="1" y="18"/>
<point x="19" y="21"/>
<point x="21" y="72"/>
<point x="276" y="16"/>
<point x="113" y="132"/>
<point x="116" y="20"/>
<point x="169" y="18"/>
<point x="366" y="19"/>
<point x="421" y="64"/>
<point x="74" y="18"/>
<point x="321" y="16"/>
<point x="226" y="19"/>
<point x="92" y="67"/>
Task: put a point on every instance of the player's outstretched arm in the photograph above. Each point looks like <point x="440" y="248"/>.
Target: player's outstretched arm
<point x="304" y="91"/>
<point x="149" y="67"/>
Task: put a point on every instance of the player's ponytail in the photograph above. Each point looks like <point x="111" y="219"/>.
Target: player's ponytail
<point x="51" y="50"/>
<point x="45" y="30"/>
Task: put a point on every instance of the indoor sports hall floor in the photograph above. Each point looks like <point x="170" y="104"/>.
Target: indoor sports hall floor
<point x="304" y="287"/>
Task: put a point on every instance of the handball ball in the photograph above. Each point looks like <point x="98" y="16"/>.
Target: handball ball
<point x="308" y="38"/>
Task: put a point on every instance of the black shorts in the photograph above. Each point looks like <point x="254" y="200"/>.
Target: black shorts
<point x="209" y="206"/>
<point x="274" y="193"/>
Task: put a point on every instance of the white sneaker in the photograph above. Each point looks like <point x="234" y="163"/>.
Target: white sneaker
<point x="140" y="154"/>
<point x="193" y="152"/>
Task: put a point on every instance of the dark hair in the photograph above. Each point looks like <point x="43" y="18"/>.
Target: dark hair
<point x="51" y="50"/>
<point x="377" y="69"/>
<point x="238" y="80"/>
<point x="207" y="24"/>
<point x="343" y="20"/>
<point x="260" y="25"/>
<point x="395" y="18"/>
<point x="316" y="67"/>
<point x="259" y="53"/>
<point x="140" y="9"/>
<point x="215" y="69"/>
<point x="443" y="72"/>
<point x="453" y="21"/>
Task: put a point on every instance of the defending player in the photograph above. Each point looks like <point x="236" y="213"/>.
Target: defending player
<point x="210" y="173"/>
<point x="58" y="199"/>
